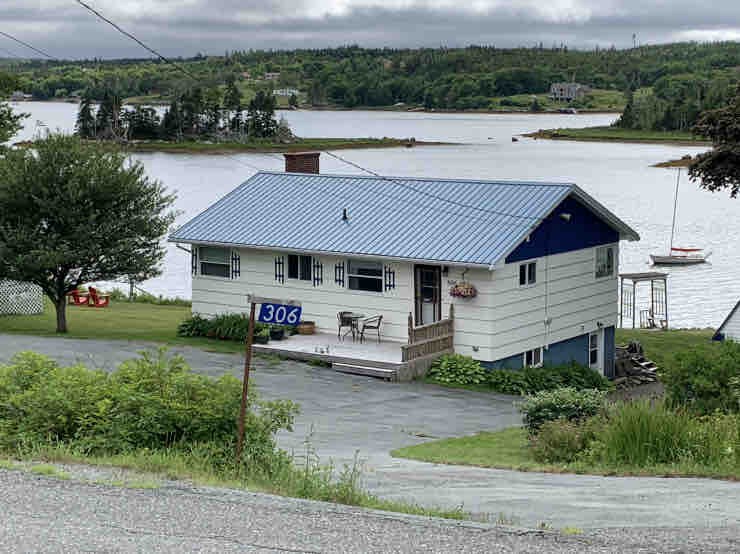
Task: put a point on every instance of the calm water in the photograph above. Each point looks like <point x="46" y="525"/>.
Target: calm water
<point x="618" y="175"/>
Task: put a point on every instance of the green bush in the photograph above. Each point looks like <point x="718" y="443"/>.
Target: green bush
<point x="456" y="369"/>
<point x="224" y="327"/>
<point x="561" y="441"/>
<point x="152" y="402"/>
<point x="701" y="378"/>
<point x="564" y="403"/>
<point x="463" y="370"/>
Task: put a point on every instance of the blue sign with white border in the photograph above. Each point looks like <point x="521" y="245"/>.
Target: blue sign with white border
<point x="279" y="314"/>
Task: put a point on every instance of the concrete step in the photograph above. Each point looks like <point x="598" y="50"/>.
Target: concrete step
<point x="389" y="374"/>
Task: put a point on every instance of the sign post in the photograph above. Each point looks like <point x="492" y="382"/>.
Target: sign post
<point x="282" y="312"/>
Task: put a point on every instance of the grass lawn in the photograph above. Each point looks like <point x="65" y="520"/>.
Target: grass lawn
<point x="661" y="346"/>
<point x="120" y="321"/>
<point x="509" y="449"/>
<point x="607" y="134"/>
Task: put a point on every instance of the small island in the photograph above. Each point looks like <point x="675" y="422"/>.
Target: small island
<point x="208" y="121"/>
<point x="619" y="134"/>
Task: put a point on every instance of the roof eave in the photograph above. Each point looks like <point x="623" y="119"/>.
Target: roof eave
<point x="454" y="263"/>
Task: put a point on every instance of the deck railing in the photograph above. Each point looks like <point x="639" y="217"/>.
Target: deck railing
<point x="427" y="343"/>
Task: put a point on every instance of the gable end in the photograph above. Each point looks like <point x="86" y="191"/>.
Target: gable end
<point x="555" y="235"/>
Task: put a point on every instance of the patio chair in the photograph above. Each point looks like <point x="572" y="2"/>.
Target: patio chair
<point x="98" y="300"/>
<point x="77" y="298"/>
<point x="371" y="323"/>
<point x="344" y="319"/>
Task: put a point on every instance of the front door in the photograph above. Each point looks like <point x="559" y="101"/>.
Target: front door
<point x="428" y="294"/>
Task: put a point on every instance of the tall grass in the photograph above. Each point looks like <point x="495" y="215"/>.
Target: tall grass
<point x="643" y="434"/>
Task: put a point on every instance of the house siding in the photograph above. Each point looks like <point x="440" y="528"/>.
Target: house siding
<point x="730" y="327"/>
<point x="567" y="293"/>
<point x="555" y="235"/>
<point x="610" y="351"/>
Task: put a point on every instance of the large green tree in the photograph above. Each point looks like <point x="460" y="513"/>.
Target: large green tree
<point x="85" y="125"/>
<point x="719" y="169"/>
<point x="73" y="213"/>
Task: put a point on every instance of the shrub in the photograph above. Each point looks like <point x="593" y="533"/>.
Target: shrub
<point x="152" y="402"/>
<point x="561" y="441"/>
<point x="508" y="381"/>
<point x="701" y="378"/>
<point x="224" y="327"/>
<point x="458" y="370"/>
<point x="196" y="326"/>
<point x="564" y="403"/>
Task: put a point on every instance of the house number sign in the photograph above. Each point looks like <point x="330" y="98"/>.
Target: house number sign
<point x="281" y="314"/>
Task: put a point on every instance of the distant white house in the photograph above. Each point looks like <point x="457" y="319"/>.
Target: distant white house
<point x="567" y="92"/>
<point x="286" y="92"/>
<point x="530" y="267"/>
<point x="730" y="328"/>
<point x="271" y="76"/>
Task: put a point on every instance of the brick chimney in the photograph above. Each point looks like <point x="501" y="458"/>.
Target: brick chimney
<point x="302" y="162"/>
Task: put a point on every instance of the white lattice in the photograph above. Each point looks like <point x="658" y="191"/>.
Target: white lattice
<point x="20" y="298"/>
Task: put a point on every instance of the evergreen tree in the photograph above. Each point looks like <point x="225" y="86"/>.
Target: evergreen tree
<point x="233" y="105"/>
<point x="108" y="117"/>
<point x="171" y="127"/>
<point x="293" y="101"/>
<point x="85" y="126"/>
<point x="261" y="116"/>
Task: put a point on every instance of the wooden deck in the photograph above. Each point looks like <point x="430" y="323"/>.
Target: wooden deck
<point x="369" y="358"/>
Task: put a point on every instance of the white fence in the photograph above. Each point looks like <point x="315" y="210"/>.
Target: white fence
<point x="20" y="298"/>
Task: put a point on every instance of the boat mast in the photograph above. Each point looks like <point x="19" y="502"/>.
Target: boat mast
<point x="675" y="206"/>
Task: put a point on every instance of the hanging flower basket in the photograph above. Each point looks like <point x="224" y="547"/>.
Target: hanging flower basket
<point x="463" y="289"/>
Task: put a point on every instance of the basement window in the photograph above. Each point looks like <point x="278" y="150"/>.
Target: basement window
<point x="365" y="275"/>
<point x="299" y="267"/>
<point x="533" y="358"/>
<point x="215" y="261"/>
<point x="527" y="274"/>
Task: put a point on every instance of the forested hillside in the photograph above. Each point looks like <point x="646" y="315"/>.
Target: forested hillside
<point x="667" y="85"/>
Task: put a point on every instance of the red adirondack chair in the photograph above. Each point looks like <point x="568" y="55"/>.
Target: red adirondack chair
<point x="77" y="298"/>
<point x="98" y="300"/>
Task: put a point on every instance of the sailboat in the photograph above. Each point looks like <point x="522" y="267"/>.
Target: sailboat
<point x="679" y="256"/>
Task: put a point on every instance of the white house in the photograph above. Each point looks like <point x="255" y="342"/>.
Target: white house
<point x="568" y="91"/>
<point x="730" y="328"/>
<point x="530" y="267"/>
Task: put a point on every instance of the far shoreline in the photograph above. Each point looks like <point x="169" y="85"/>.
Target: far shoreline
<point x="612" y="134"/>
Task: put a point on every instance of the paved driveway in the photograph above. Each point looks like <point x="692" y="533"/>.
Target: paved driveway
<point x="345" y="414"/>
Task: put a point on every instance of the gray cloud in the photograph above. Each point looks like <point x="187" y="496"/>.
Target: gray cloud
<point x="185" y="27"/>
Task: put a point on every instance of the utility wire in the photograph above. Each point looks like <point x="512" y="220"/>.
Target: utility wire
<point x="37" y="50"/>
<point x="429" y="194"/>
<point x="136" y="40"/>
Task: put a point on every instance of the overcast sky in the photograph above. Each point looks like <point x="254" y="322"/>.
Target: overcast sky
<point x="186" y="27"/>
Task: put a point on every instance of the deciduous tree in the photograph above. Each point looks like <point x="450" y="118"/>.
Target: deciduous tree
<point x="73" y="213"/>
<point x="719" y="169"/>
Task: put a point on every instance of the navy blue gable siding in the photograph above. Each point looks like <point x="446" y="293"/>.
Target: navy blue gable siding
<point x="559" y="353"/>
<point x="555" y="235"/>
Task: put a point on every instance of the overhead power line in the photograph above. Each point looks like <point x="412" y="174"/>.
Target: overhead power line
<point x="136" y="40"/>
<point x="37" y="50"/>
<point x="429" y="194"/>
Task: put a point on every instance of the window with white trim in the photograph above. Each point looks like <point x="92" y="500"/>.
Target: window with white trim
<point x="527" y="274"/>
<point x="215" y="261"/>
<point x="593" y="349"/>
<point x="533" y="358"/>
<point x="365" y="275"/>
<point x="300" y="267"/>
<point x="604" y="261"/>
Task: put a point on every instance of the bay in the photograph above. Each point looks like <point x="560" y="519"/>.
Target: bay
<point x="619" y="176"/>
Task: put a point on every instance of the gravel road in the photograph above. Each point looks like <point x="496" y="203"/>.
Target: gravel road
<point x="43" y="514"/>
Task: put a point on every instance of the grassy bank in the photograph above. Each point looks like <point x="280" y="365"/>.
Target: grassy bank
<point x="510" y="449"/>
<point x="198" y="147"/>
<point x="314" y="482"/>
<point x="615" y="134"/>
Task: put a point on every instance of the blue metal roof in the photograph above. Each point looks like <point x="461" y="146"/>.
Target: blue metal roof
<point x="452" y="221"/>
